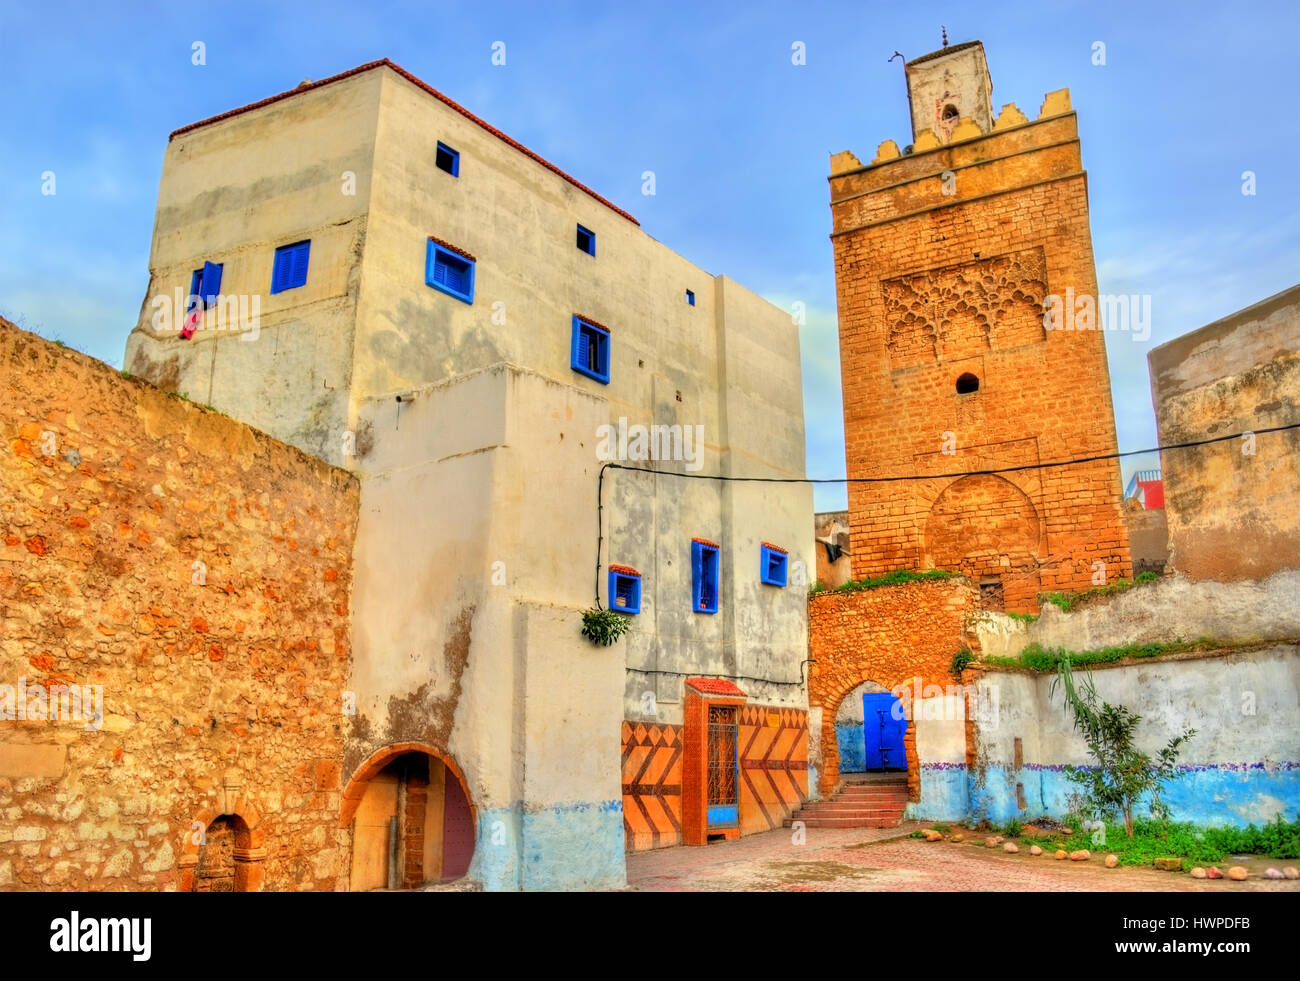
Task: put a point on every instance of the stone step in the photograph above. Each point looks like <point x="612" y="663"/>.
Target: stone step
<point x="853" y="815"/>
<point x="842" y="822"/>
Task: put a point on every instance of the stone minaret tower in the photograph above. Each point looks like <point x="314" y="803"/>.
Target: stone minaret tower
<point x="947" y="255"/>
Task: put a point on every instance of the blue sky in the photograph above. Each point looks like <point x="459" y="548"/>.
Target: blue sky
<point x="705" y="95"/>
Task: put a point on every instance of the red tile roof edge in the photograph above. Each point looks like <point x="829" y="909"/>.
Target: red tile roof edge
<point x="716" y="686"/>
<point x="775" y="548"/>
<point x="452" y="248"/>
<point x="705" y="541"/>
<point x="384" y="62"/>
<point x="626" y="570"/>
<point x="592" y="323"/>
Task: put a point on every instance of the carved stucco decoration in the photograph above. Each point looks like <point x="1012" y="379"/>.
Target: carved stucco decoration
<point x="962" y="310"/>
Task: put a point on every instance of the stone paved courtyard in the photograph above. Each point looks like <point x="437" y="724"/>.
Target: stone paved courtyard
<point x="885" y="859"/>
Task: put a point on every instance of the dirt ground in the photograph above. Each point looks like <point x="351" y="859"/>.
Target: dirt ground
<point x="882" y="860"/>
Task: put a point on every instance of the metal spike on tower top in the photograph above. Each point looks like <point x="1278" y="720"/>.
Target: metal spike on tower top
<point x="945" y="35"/>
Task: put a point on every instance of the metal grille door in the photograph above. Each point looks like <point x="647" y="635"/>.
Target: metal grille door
<point x="724" y="782"/>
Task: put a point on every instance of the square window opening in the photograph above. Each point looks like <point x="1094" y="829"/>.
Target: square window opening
<point x="704" y="577"/>
<point x="448" y="160"/>
<point x="290" y="269"/>
<point x="774" y="566"/>
<point x="624" y="592"/>
<point x="586" y="240"/>
<point x="449" y="272"/>
<point x="590" y="353"/>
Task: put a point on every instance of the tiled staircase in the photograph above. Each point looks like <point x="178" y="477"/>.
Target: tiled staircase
<point x="873" y="800"/>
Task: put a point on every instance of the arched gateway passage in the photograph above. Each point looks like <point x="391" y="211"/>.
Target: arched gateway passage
<point x="412" y="819"/>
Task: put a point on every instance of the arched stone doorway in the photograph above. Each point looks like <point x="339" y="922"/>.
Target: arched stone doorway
<point x="833" y="752"/>
<point x="224" y="851"/>
<point x="850" y="728"/>
<point x="413" y="822"/>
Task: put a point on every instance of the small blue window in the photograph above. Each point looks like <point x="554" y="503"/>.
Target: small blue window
<point x="624" y="589"/>
<point x="690" y="297"/>
<point x="448" y="159"/>
<point x="206" y="284"/>
<point x="586" y="240"/>
<point x="290" y="269"/>
<point x="447" y="271"/>
<point x="773" y="565"/>
<point x="590" y="353"/>
<point x="704" y="576"/>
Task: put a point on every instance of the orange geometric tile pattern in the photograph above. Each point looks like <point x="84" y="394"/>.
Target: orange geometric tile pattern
<point x="773" y="766"/>
<point x="652" y="785"/>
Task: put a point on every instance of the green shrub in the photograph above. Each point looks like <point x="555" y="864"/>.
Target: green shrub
<point x="1123" y="773"/>
<point x="604" y="627"/>
<point x="961" y="659"/>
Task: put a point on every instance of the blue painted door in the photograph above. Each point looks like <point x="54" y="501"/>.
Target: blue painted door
<point x="883" y="726"/>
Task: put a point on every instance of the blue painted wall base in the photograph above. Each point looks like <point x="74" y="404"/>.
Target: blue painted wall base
<point x="557" y="848"/>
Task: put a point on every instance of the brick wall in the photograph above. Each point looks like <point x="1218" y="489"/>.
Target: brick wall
<point x="222" y="682"/>
<point x="934" y="286"/>
<point x="891" y="635"/>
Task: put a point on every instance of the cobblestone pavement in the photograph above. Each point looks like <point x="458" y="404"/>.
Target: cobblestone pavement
<point x="885" y="859"/>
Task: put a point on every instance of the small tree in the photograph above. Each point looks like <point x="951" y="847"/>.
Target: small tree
<point x="1123" y="773"/>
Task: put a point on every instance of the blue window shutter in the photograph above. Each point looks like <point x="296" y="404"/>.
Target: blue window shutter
<point x="280" y="271"/>
<point x="211" y="282"/>
<point x="449" y="272"/>
<point x="300" y="264"/>
<point x="196" y="287"/>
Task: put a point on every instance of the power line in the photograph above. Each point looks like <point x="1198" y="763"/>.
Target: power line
<point x="600" y="482"/>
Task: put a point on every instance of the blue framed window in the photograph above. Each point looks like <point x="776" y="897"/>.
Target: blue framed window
<point x="205" y="283"/>
<point x="773" y="565"/>
<point x="586" y="240"/>
<point x="624" y="589"/>
<point x="690" y="297"/>
<point x="449" y="271"/>
<point x="290" y="269"/>
<point x="704" y="576"/>
<point x="590" y="351"/>
<point x="448" y="159"/>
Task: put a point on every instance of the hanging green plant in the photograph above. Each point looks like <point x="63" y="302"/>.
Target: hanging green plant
<point x="604" y="627"/>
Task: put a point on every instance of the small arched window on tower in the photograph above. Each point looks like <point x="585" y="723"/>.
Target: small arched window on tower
<point x="950" y="115"/>
<point x="967" y="384"/>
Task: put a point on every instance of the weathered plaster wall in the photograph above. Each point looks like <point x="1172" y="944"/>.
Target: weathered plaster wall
<point x="231" y="193"/>
<point x="1232" y="514"/>
<point x="1241" y="767"/>
<point x="222" y="682"/>
<point x="477" y="445"/>
<point x="1159" y="612"/>
<point x="1148" y="535"/>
